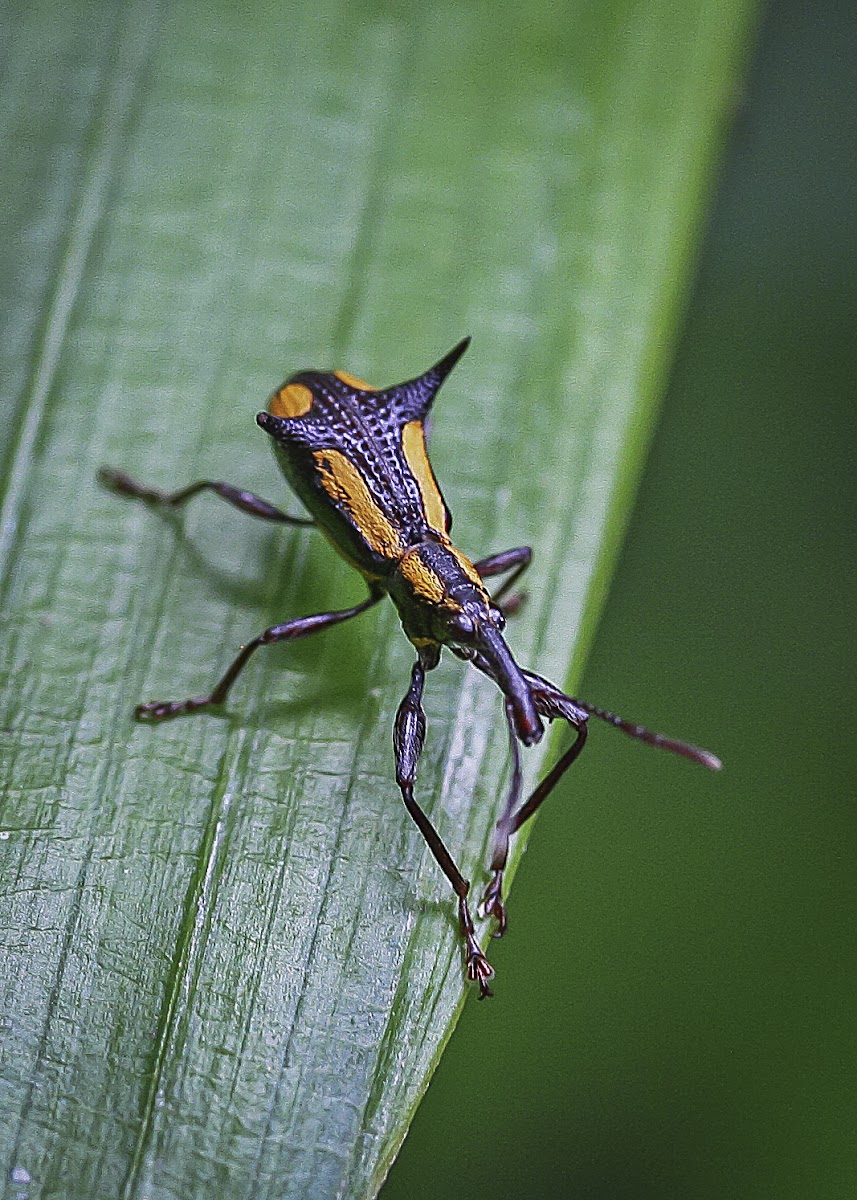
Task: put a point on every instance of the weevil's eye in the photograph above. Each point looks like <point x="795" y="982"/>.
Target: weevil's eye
<point x="461" y="627"/>
<point x="498" y="620"/>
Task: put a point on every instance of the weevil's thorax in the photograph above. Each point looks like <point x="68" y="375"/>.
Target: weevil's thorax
<point x="433" y="587"/>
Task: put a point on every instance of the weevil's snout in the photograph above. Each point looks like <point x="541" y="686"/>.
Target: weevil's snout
<point x="443" y="601"/>
<point x="527" y="724"/>
<point x="492" y="649"/>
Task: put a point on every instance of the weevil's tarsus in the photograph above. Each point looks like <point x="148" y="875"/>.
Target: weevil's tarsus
<point x="491" y="904"/>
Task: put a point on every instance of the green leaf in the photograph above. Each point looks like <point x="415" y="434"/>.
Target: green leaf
<point x="228" y="961"/>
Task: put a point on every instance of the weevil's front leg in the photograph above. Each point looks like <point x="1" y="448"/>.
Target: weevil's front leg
<point x="247" y="502"/>
<point x="159" y="710"/>
<point x="408" y="736"/>
<point x="492" y="904"/>
<point x="516" y="561"/>
<point x="550" y="702"/>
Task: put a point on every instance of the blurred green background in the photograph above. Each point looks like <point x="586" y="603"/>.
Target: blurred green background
<point x="675" y="1009"/>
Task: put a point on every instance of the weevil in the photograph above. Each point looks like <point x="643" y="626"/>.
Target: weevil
<point x="356" y="457"/>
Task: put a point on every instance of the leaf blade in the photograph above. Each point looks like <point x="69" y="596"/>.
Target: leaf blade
<point x="244" y="961"/>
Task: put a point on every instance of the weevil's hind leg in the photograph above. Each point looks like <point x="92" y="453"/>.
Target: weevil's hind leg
<point x="550" y="702"/>
<point x="516" y="561"/>
<point x="160" y="710"/>
<point x="491" y="904"/>
<point x="408" y="736"/>
<point x="124" y="485"/>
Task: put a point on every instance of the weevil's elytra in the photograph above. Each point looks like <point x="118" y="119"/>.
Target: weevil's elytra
<point x="348" y="492"/>
<point x="356" y="457"/>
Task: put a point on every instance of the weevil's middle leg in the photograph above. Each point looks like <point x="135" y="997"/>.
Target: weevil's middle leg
<point x="516" y="561"/>
<point x="408" y="737"/>
<point x="550" y="702"/>
<point x="247" y="502"/>
<point x="491" y="904"/>
<point x="159" y="710"/>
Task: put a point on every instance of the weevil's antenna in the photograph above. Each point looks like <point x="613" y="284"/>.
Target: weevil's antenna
<point x="641" y="734"/>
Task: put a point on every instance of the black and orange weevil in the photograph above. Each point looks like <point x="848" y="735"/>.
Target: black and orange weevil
<point x="356" y="457"/>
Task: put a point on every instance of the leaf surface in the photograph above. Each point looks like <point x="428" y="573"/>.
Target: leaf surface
<point x="229" y="963"/>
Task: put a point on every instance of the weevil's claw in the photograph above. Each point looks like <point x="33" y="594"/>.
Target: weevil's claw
<point x="157" y="710"/>
<point x="479" y="969"/>
<point x="491" y="904"/>
<point x="162" y="710"/>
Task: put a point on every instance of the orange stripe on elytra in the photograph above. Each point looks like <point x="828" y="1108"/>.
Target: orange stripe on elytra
<point x="414" y="448"/>
<point x="344" y="484"/>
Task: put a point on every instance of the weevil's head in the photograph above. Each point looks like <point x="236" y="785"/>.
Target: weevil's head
<point x="442" y="601"/>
